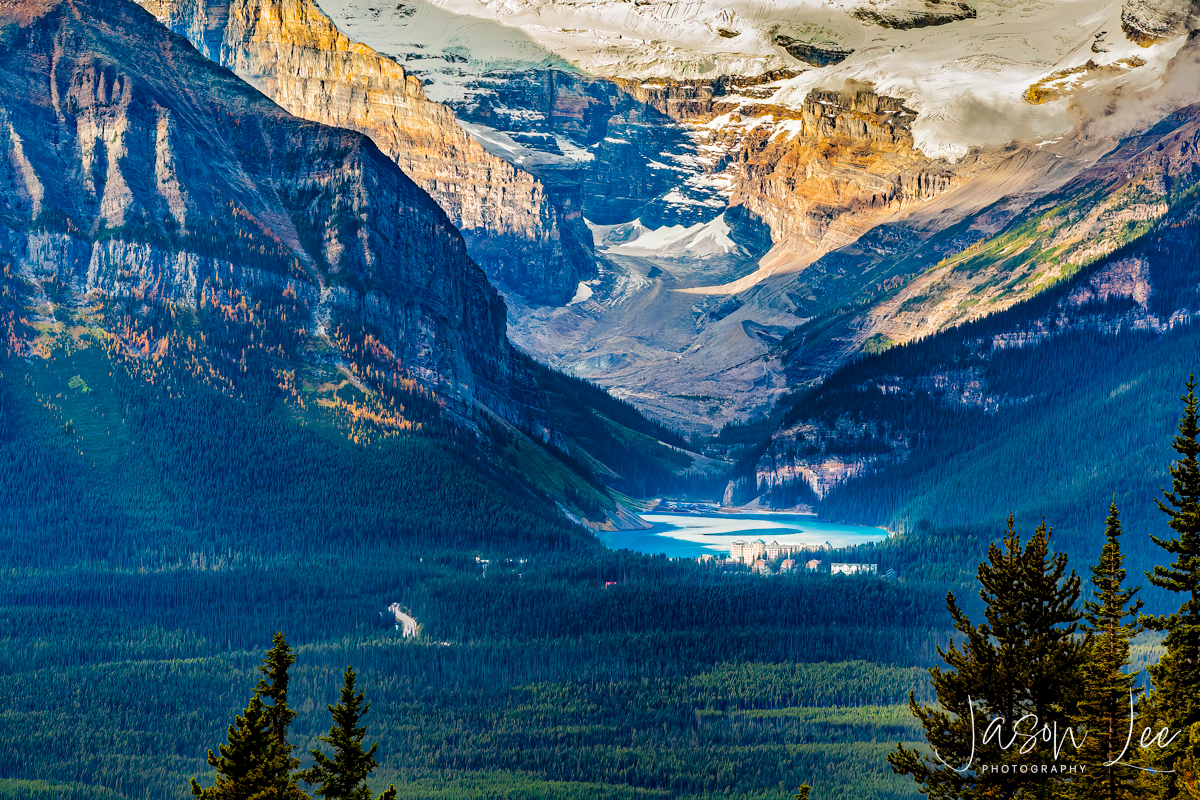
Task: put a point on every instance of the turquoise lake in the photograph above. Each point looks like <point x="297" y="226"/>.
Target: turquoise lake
<point x="692" y="535"/>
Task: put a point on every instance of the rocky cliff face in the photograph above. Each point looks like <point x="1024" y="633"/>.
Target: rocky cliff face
<point x="1107" y="207"/>
<point x="135" y="168"/>
<point x="655" y="326"/>
<point x="1111" y="249"/>
<point x="905" y="16"/>
<point x="157" y="207"/>
<point x="295" y="55"/>
<point x="822" y="176"/>
<point x="700" y="98"/>
<point x="1149" y="22"/>
<point x="596" y="144"/>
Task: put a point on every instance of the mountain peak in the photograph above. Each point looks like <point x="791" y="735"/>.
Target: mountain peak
<point x="145" y="168"/>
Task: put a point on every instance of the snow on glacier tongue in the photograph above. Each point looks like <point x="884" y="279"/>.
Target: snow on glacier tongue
<point x="671" y="241"/>
<point x="966" y="78"/>
<point x="582" y="294"/>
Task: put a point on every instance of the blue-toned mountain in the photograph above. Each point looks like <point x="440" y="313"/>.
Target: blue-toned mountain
<point x="172" y="222"/>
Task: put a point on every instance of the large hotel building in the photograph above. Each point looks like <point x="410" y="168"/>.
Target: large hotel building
<point x="749" y="552"/>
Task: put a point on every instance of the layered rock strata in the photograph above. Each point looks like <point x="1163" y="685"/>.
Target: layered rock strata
<point x="138" y="169"/>
<point x="690" y="100"/>
<point x="294" y="54"/>
<point x="932" y="13"/>
<point x="822" y="175"/>
<point x="1150" y="22"/>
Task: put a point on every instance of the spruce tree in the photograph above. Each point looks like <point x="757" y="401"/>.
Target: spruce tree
<point x="240" y="765"/>
<point x="1111" y="621"/>
<point x="344" y="777"/>
<point x="1023" y="659"/>
<point x="273" y="685"/>
<point x="256" y="763"/>
<point x="1175" y="702"/>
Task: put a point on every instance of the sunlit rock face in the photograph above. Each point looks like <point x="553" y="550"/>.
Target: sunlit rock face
<point x="295" y="55"/>
<point x="141" y="172"/>
<point x="823" y="175"/>
<point x="1149" y="22"/>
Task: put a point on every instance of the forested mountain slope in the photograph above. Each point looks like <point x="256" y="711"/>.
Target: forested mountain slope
<point x="160" y="209"/>
<point x="1048" y="408"/>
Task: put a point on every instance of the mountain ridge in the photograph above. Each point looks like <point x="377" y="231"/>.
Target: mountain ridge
<point x="173" y="215"/>
<point x="520" y="232"/>
<point x="131" y="194"/>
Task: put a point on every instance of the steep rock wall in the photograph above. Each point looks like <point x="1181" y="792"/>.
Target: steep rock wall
<point x="294" y="54"/>
<point x="136" y="168"/>
<point x="588" y="138"/>
<point x="825" y="174"/>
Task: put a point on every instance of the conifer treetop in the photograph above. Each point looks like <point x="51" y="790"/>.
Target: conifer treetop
<point x="1022" y="659"/>
<point x="274" y="684"/>
<point x="1182" y="507"/>
<point x="344" y="776"/>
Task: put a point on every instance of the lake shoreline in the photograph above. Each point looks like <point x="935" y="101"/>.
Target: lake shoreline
<point x="690" y="533"/>
<point x="797" y="511"/>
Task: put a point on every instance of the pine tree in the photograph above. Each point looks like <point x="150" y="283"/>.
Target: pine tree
<point x="273" y="685"/>
<point x="240" y="763"/>
<point x="256" y="763"/>
<point x="1175" y="702"/>
<point x="1107" y="688"/>
<point x="344" y="777"/>
<point x="1023" y="659"/>
<point x="802" y="791"/>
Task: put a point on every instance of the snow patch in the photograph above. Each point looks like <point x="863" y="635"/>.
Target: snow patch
<point x="671" y="241"/>
<point x="792" y="127"/>
<point x="582" y="294"/>
<point x="966" y="79"/>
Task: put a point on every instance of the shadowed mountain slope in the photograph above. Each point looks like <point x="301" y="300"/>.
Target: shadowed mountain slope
<point x="162" y="210"/>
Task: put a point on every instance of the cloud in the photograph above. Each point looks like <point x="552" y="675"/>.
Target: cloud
<point x="971" y="120"/>
<point x="1132" y="108"/>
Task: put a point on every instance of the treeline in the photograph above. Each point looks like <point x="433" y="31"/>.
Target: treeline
<point x="645" y="458"/>
<point x="584" y="394"/>
<point x="1058" y="449"/>
<point x="135" y="466"/>
<point x="1046" y="408"/>
<point x="151" y="546"/>
<point x="1048" y="672"/>
<point x="258" y="756"/>
<point x="143" y="727"/>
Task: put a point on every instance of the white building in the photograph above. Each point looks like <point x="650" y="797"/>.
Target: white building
<point x="748" y="552"/>
<point x="737" y="551"/>
<point x="853" y="569"/>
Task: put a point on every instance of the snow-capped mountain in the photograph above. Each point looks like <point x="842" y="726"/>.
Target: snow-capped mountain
<point x="964" y="67"/>
<point x="751" y="169"/>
